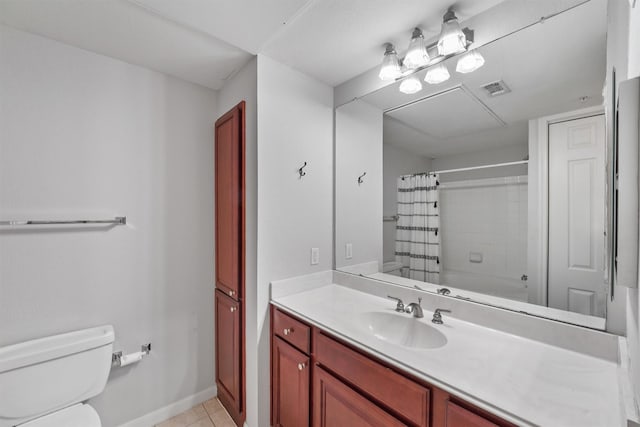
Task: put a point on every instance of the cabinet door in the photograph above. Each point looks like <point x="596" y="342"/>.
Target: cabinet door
<point x="337" y="405"/>
<point x="228" y="351"/>
<point x="290" y="386"/>
<point x="457" y="416"/>
<point x="229" y="171"/>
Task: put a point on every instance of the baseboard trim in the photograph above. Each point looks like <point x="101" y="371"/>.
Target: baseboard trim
<point x="172" y="409"/>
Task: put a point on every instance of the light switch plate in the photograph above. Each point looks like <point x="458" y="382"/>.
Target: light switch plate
<point x="315" y="256"/>
<point x="348" y="251"/>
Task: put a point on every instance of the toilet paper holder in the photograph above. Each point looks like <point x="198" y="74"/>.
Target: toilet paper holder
<point x="118" y="359"/>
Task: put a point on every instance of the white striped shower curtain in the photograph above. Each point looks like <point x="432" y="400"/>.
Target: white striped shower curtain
<point x="417" y="230"/>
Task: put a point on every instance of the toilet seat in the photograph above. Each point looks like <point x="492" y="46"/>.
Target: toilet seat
<point x="80" y="415"/>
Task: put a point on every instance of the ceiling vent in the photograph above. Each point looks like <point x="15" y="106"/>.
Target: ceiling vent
<point x="496" y="88"/>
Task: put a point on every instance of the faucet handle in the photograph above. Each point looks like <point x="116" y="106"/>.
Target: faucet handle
<point x="437" y="316"/>
<point x="400" y="305"/>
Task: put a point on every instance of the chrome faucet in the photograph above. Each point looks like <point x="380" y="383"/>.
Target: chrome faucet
<point x="415" y="308"/>
<point x="437" y="317"/>
<point x="399" y="306"/>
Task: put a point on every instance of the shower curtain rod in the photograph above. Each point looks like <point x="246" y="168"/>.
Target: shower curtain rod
<point x="519" y="162"/>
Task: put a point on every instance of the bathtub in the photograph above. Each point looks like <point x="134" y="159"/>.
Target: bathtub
<point x="510" y="288"/>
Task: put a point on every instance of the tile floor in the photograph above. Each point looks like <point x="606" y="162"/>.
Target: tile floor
<point x="208" y="414"/>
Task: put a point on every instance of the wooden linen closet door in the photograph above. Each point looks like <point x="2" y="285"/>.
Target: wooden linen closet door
<point x="230" y="262"/>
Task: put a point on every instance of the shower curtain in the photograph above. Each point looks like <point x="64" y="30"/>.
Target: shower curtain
<point x="417" y="239"/>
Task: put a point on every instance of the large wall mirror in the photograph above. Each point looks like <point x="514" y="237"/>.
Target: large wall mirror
<point x="491" y="185"/>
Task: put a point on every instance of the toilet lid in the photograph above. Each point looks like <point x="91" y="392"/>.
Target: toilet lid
<point x="79" y="415"/>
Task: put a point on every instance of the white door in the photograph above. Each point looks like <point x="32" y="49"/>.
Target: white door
<point x="576" y="216"/>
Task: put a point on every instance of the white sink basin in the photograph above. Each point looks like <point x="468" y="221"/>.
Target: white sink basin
<point x="401" y="329"/>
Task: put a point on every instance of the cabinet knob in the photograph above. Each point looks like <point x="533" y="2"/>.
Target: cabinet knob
<point x="301" y="366"/>
<point x="287" y="331"/>
<point x="231" y="293"/>
<point x="232" y="309"/>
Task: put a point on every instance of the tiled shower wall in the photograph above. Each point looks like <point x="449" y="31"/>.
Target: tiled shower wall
<point x="484" y="234"/>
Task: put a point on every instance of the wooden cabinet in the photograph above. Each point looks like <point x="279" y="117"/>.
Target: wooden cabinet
<point x="290" y="375"/>
<point x="230" y="261"/>
<point x="337" y="405"/>
<point x="229" y="201"/>
<point x="350" y="388"/>
<point x="406" y="398"/>
<point x="457" y="416"/>
<point x="228" y="375"/>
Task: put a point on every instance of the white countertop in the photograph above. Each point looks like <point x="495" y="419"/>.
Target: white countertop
<point x="521" y="380"/>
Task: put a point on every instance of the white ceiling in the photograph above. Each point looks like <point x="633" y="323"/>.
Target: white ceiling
<point x="447" y="115"/>
<point x="206" y="41"/>
<point x="336" y="40"/>
<point x="547" y="66"/>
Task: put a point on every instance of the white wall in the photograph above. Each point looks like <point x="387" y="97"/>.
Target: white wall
<point x="358" y="218"/>
<point x="396" y="162"/>
<point x="87" y="136"/>
<point x="634" y="41"/>
<point x="295" y="124"/>
<point x="633" y="296"/>
<point x="244" y="87"/>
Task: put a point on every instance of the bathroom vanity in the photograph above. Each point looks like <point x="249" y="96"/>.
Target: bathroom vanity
<point x="342" y="355"/>
<point x="351" y="387"/>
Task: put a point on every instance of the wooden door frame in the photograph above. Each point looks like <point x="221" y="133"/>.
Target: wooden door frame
<point x="240" y="109"/>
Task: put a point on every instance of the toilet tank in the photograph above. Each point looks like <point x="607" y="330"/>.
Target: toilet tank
<point x="47" y="374"/>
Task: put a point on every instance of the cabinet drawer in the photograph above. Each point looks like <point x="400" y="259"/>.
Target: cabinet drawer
<point x="457" y="416"/>
<point x="405" y="397"/>
<point x="291" y="330"/>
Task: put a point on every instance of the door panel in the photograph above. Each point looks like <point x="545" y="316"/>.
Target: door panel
<point x="228" y="347"/>
<point x="576" y="216"/>
<point x="291" y="375"/>
<point x="337" y="405"/>
<point x="457" y="416"/>
<point x="229" y="204"/>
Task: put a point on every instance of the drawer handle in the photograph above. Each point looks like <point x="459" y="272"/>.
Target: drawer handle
<point x="231" y="293"/>
<point x="287" y="331"/>
<point x="301" y="366"/>
<point x="232" y="309"/>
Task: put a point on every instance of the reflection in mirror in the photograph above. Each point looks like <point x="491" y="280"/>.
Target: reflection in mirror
<point x="492" y="183"/>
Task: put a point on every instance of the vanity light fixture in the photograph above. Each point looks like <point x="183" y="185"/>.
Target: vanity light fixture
<point x="390" y="68"/>
<point x="452" y="39"/>
<point x="410" y="85"/>
<point x="469" y="62"/>
<point x="417" y="55"/>
<point x="437" y="74"/>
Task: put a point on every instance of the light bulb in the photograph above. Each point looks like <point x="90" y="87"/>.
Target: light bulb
<point x="469" y="62"/>
<point x="437" y="74"/>
<point x="410" y="85"/>
<point x="390" y="68"/>
<point x="417" y="55"/>
<point x="452" y="40"/>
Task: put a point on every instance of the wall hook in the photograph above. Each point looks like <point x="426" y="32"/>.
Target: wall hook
<point x="301" y="171"/>
<point x="360" y="181"/>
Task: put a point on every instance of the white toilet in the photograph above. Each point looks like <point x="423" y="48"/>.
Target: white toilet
<point x="44" y="382"/>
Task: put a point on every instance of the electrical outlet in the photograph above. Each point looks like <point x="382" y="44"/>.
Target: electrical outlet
<point x="348" y="251"/>
<point x="315" y="256"/>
